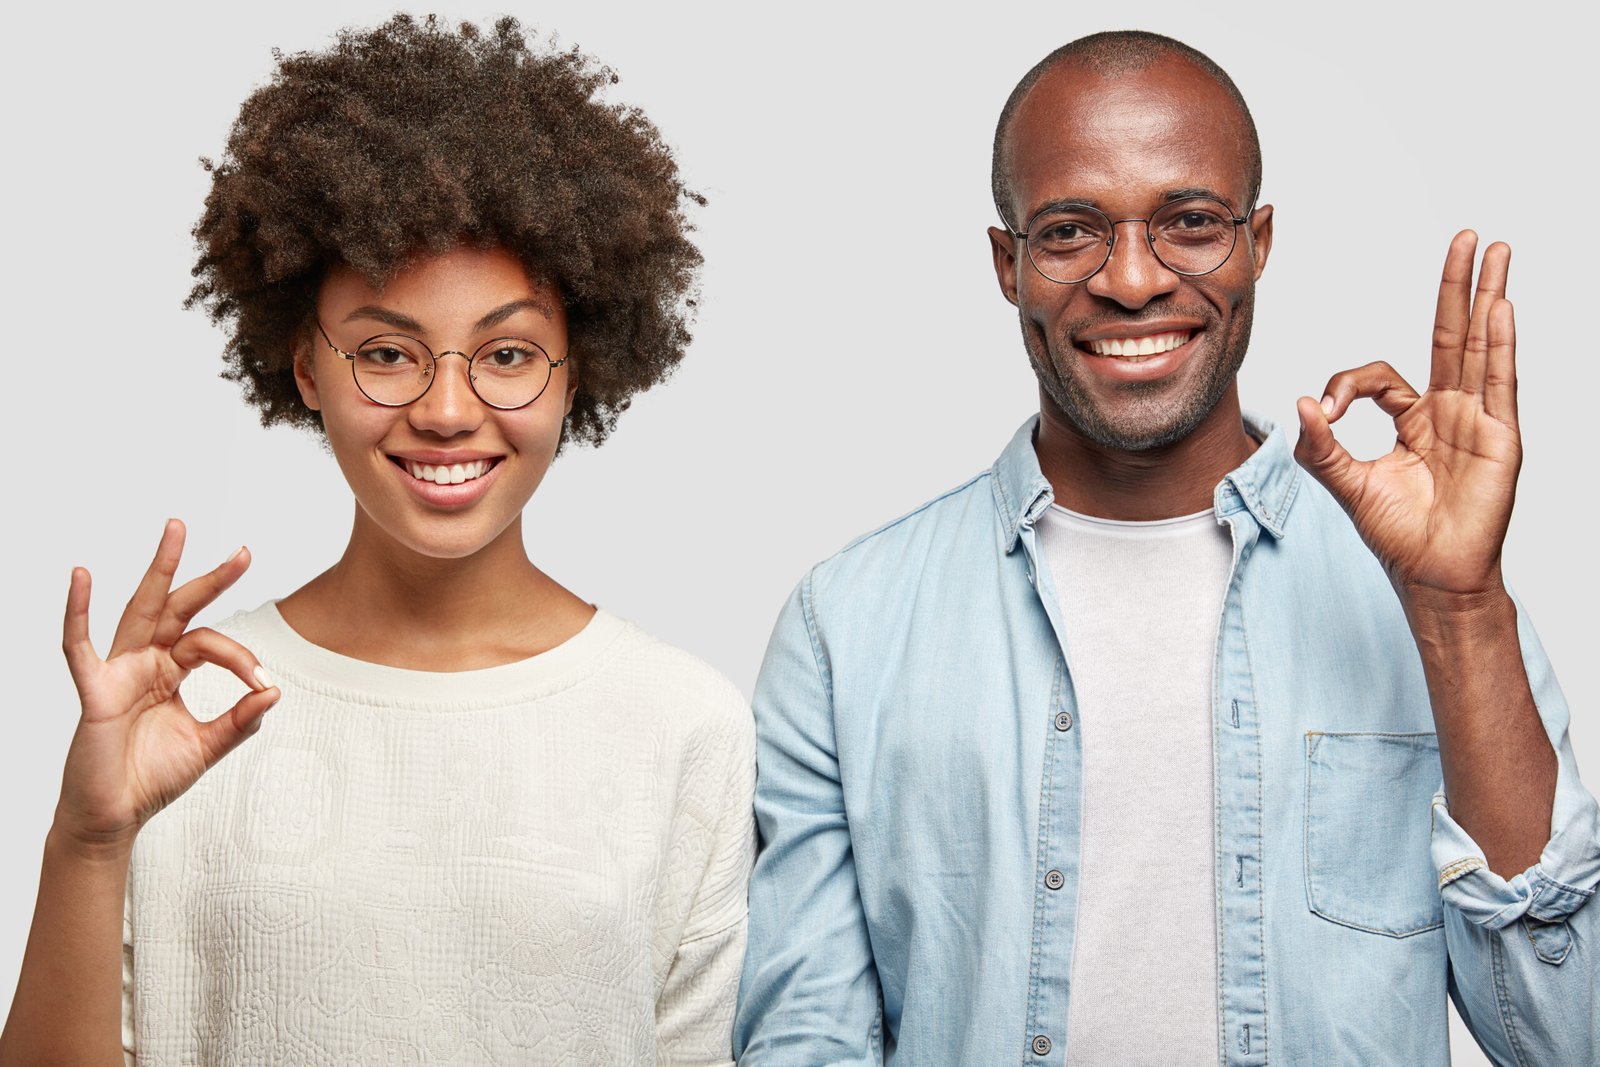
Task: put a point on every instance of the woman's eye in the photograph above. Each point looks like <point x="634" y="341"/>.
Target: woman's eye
<point x="506" y="358"/>
<point x="386" y="357"/>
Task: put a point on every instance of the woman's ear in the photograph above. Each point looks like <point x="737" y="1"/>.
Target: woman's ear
<point x="304" y="373"/>
<point x="572" y="383"/>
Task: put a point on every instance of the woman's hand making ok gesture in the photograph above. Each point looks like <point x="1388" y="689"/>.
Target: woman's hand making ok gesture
<point x="137" y="747"/>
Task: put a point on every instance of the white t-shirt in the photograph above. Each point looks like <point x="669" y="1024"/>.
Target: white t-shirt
<point x="1141" y="603"/>
<point x="542" y="862"/>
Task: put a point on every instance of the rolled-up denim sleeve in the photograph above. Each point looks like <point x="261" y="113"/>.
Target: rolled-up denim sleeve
<point x="810" y="992"/>
<point x="1525" y="950"/>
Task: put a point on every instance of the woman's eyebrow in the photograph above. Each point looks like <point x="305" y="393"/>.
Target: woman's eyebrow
<point x="400" y="321"/>
<point x="385" y="316"/>
<point x="505" y="311"/>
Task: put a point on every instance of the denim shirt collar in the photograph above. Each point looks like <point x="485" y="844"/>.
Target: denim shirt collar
<point x="1265" y="484"/>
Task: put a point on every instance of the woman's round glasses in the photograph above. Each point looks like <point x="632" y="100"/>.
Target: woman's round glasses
<point x="1191" y="236"/>
<point x="395" y="369"/>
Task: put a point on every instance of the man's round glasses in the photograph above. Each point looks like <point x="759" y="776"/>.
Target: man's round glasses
<point x="394" y="369"/>
<point x="1192" y="236"/>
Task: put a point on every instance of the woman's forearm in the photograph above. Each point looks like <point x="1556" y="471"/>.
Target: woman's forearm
<point x="68" y="1004"/>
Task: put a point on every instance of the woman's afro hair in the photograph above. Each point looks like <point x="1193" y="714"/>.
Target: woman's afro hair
<point x="411" y="139"/>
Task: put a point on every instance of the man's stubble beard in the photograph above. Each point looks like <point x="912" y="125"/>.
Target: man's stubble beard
<point x="1146" y="428"/>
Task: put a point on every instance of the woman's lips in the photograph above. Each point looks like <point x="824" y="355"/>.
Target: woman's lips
<point x="436" y="484"/>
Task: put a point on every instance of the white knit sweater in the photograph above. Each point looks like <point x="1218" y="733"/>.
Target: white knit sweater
<point x="542" y="863"/>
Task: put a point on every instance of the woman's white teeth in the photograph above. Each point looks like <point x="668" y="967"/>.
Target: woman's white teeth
<point x="1152" y="345"/>
<point x="452" y="474"/>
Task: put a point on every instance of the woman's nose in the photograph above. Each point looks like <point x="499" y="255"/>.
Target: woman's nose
<point x="450" y="406"/>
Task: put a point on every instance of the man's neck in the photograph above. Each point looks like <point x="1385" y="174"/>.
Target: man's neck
<point x="1158" y="483"/>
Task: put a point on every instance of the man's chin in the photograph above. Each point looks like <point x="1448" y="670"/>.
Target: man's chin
<point x="1132" y="431"/>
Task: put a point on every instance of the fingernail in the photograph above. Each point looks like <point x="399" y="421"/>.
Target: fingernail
<point x="235" y="555"/>
<point x="262" y="679"/>
<point x="1327" y="405"/>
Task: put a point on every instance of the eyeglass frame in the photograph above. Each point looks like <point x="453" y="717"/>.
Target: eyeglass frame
<point x="1149" y="236"/>
<point x="433" y="375"/>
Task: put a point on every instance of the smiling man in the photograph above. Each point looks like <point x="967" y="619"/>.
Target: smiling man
<point x="1146" y="745"/>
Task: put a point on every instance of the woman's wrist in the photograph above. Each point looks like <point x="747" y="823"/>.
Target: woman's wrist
<point x="72" y="840"/>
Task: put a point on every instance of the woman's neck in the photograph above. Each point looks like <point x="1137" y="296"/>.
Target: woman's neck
<point x="386" y="603"/>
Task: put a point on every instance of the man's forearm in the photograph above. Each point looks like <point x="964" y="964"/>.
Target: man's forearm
<point x="68" y="1004"/>
<point x="1499" y="766"/>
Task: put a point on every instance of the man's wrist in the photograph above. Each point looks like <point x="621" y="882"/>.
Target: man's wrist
<point x="1439" y="616"/>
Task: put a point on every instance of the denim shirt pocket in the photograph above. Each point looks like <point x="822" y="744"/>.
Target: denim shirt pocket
<point x="1368" y="806"/>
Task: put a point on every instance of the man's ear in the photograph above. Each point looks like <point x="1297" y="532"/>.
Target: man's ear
<point x="1261" y="233"/>
<point x="304" y="376"/>
<point x="1003" y="247"/>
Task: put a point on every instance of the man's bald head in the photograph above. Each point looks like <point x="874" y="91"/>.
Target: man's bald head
<point x="1108" y="55"/>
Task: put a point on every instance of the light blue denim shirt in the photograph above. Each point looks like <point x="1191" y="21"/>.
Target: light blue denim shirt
<point x="919" y="796"/>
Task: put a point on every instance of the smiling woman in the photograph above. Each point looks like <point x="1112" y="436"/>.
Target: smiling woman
<point x="483" y="817"/>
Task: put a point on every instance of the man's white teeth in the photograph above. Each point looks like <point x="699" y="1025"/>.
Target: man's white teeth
<point x="452" y="474"/>
<point x="1151" y="345"/>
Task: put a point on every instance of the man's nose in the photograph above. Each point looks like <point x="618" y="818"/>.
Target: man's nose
<point x="1132" y="275"/>
<point x="449" y="406"/>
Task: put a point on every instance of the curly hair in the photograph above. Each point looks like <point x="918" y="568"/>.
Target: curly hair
<point x="411" y="139"/>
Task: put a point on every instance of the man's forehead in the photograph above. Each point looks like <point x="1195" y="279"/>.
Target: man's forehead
<point x="1167" y="126"/>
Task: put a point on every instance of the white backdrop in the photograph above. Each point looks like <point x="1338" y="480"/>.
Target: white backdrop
<point x="853" y="355"/>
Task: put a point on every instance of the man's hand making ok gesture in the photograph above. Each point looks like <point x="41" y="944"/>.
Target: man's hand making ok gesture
<point x="1434" y="511"/>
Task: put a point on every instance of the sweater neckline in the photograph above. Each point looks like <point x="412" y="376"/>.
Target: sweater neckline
<point x="293" y="660"/>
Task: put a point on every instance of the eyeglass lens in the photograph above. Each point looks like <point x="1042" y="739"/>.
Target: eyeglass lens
<point x="508" y="372"/>
<point x="1194" y="236"/>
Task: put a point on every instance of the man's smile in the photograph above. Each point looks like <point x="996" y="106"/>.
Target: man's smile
<point x="1138" y="346"/>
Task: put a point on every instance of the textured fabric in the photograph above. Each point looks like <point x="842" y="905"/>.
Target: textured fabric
<point x="921" y="775"/>
<point x="1141" y="621"/>
<point x="543" y="862"/>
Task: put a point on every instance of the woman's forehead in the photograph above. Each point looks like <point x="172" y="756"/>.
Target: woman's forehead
<point x="462" y="284"/>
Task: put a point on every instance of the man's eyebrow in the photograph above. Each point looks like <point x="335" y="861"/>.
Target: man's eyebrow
<point x="1192" y="191"/>
<point x="385" y="316"/>
<point x="505" y="311"/>
<point x="1064" y="203"/>
<point x="1168" y="197"/>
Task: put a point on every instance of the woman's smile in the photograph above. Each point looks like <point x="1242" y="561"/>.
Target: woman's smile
<point x="448" y="481"/>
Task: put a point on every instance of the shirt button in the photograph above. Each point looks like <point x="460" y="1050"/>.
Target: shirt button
<point x="1054" y="880"/>
<point x="1041" y="1046"/>
<point x="1063" y="720"/>
<point x="1030" y="577"/>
